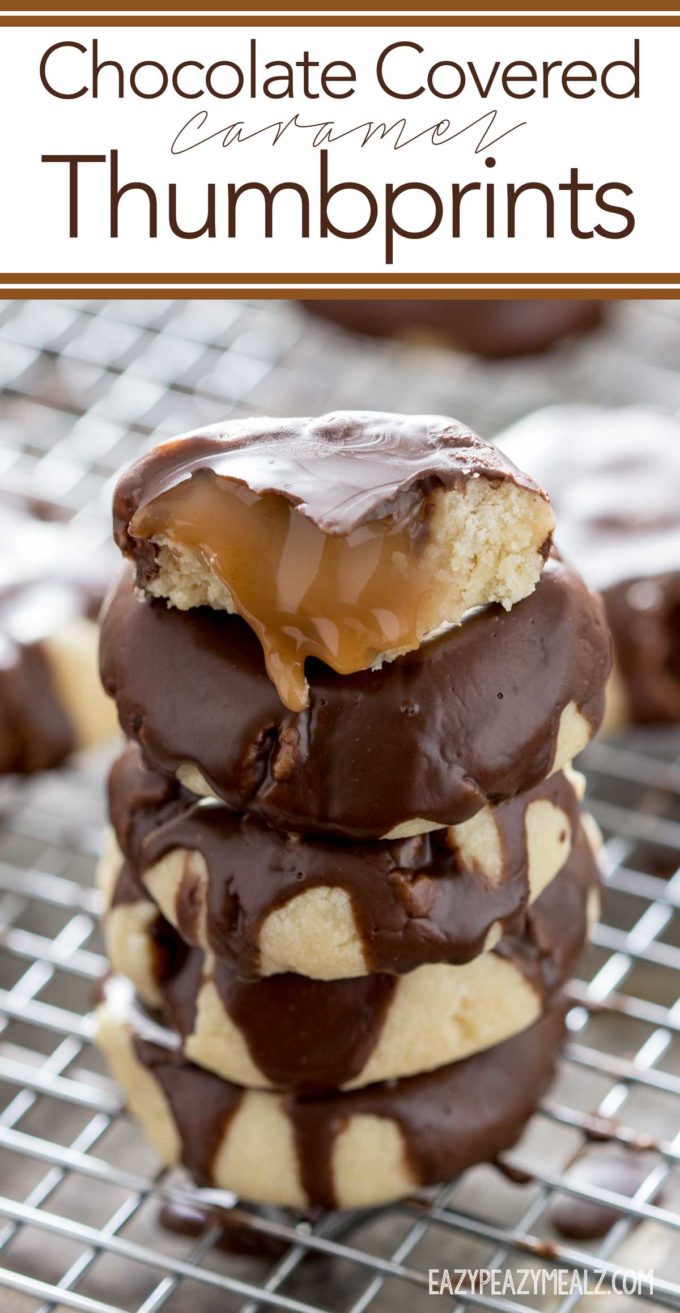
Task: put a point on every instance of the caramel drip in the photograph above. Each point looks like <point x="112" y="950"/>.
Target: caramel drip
<point x="345" y="599"/>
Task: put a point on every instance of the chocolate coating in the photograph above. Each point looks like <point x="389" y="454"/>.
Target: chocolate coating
<point x="614" y="477"/>
<point x="48" y="576"/>
<point x="339" y="470"/>
<point x="495" y="329"/>
<point x="414" y="901"/>
<point x="471" y="717"/>
<point x="313" y="1036"/>
<point x="462" y="1114"/>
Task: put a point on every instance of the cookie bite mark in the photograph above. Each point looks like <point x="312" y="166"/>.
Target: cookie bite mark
<point x="348" y="539"/>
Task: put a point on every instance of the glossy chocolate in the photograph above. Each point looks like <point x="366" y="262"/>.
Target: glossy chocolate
<point x="471" y="717"/>
<point x="316" y="531"/>
<point x="414" y="901"/>
<point x="340" y="470"/>
<point x="495" y="329"/>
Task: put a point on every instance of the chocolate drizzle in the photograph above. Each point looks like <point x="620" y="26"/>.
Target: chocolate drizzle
<point x="304" y="1035"/>
<point x="496" y="329"/>
<point x="471" y="717"/>
<point x="312" y="1036"/>
<point x="464" y="1113"/>
<point x="414" y="901"/>
<point x="139" y="801"/>
<point x="202" y="1110"/>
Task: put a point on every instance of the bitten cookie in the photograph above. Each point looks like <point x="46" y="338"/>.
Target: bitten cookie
<point x="51" y="585"/>
<point x="614" y="476"/>
<point x="476" y="716"/>
<point x="269" y="902"/>
<point x="495" y="329"/>
<point x="342" y="1150"/>
<point x="349" y="538"/>
<point x="297" y="1034"/>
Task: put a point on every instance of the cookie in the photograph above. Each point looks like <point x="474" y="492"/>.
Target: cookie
<point x="495" y="329"/>
<point x="344" y="1150"/>
<point x="614" y="476"/>
<point x="269" y="902"/>
<point x="312" y="1036"/>
<point x="476" y="716"/>
<point x="52" y="580"/>
<point x="348" y="539"/>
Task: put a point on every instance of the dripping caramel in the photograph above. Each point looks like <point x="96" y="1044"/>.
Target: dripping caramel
<point x="346" y="600"/>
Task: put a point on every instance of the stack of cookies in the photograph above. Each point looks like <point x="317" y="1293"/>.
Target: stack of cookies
<point x="348" y="874"/>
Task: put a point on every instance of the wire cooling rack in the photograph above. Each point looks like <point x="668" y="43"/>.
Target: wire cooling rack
<point x="85" y="384"/>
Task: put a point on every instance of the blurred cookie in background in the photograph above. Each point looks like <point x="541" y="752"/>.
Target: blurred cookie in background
<point x="614" y="479"/>
<point x="493" y="329"/>
<point x="53" y="576"/>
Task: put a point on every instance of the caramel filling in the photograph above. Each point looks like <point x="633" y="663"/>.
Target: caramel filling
<point x="346" y="600"/>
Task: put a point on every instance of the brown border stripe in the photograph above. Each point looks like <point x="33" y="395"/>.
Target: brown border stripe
<point x="360" y="294"/>
<point x="407" y="19"/>
<point x="425" y="279"/>
<point x="354" y="7"/>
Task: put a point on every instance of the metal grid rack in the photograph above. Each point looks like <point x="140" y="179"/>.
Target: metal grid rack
<point x="80" y="1190"/>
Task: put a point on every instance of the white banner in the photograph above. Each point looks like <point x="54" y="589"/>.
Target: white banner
<point x="434" y="150"/>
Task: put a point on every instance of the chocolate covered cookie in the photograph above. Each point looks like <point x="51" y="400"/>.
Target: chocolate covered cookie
<point x="311" y="1036"/>
<point x="52" y="580"/>
<point x="614" y="477"/>
<point x="495" y="329"/>
<point x="349" y="538"/>
<point x="268" y="901"/>
<point x="346" y="1150"/>
<point x="476" y="716"/>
